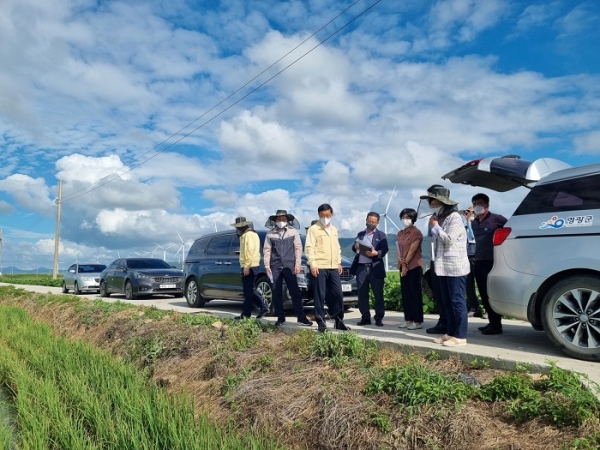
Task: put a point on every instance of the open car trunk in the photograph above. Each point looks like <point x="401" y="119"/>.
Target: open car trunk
<point x="504" y="173"/>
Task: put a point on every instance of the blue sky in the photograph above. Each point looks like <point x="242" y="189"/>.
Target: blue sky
<point x="96" y="93"/>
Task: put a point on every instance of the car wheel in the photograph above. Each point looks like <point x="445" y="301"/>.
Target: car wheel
<point x="103" y="291"/>
<point x="64" y="288"/>
<point x="264" y="289"/>
<point x="192" y="293"/>
<point x="76" y="290"/>
<point x="129" y="295"/>
<point x="571" y="316"/>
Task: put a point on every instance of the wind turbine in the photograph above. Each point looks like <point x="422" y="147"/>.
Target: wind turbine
<point x="386" y="217"/>
<point x="181" y="248"/>
<point x="164" y="250"/>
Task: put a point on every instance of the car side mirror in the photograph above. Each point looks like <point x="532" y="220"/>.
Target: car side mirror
<point x="72" y="270"/>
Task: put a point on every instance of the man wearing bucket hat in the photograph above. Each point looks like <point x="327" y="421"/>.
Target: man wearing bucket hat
<point x="249" y="262"/>
<point x="451" y="263"/>
<point x="282" y="254"/>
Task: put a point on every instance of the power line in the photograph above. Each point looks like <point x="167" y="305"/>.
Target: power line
<point x="113" y="176"/>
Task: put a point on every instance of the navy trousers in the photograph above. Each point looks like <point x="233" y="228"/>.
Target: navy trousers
<point x="291" y="281"/>
<point x="365" y="280"/>
<point x="482" y="270"/>
<point x="251" y="296"/>
<point x="455" y="305"/>
<point x="327" y="287"/>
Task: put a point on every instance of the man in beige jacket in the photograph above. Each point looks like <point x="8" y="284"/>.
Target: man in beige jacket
<point x="324" y="255"/>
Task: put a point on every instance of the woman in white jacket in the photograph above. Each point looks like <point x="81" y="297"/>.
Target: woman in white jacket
<point x="451" y="263"/>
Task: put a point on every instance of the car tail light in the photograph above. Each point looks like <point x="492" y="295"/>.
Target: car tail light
<point x="474" y="162"/>
<point x="501" y="234"/>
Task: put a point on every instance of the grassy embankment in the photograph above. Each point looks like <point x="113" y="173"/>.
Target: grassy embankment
<point x="63" y="394"/>
<point x="308" y="390"/>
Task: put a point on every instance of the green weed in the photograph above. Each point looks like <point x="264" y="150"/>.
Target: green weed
<point x="337" y="348"/>
<point x="414" y="384"/>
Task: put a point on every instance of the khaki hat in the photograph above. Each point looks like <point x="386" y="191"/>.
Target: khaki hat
<point x="439" y="193"/>
<point x="241" y="222"/>
<point x="282" y="212"/>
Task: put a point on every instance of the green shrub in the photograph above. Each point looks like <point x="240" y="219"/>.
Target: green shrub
<point x="337" y="348"/>
<point x="414" y="384"/>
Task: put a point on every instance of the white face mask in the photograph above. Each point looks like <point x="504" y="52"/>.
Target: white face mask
<point x="407" y="223"/>
<point x="281" y="224"/>
<point x="437" y="209"/>
<point x="479" y="210"/>
<point x="325" y="221"/>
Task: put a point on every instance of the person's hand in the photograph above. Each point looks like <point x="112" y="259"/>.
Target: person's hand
<point x="356" y="246"/>
<point x="469" y="215"/>
<point x="433" y="221"/>
<point x="314" y="271"/>
<point x="297" y="270"/>
<point x="269" y="272"/>
<point x="340" y="269"/>
<point x="372" y="253"/>
<point x="404" y="271"/>
<point x="246" y="271"/>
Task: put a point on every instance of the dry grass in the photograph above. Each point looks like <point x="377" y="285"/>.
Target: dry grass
<point x="301" y="399"/>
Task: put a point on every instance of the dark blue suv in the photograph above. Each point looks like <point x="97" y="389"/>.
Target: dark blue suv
<point x="212" y="271"/>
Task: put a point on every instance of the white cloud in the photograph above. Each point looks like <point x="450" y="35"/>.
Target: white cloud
<point x="588" y="143"/>
<point x="31" y="193"/>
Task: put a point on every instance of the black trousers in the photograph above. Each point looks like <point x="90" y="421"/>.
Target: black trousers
<point x="412" y="295"/>
<point x="482" y="270"/>
<point x="291" y="281"/>
<point x="327" y="287"/>
<point x="437" y="294"/>
<point x="472" y="301"/>
<point x="365" y="280"/>
<point x="251" y="296"/>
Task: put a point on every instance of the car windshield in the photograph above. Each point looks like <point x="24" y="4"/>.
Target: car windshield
<point x="147" y="264"/>
<point x="89" y="268"/>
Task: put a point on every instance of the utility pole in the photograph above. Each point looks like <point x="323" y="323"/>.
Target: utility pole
<point x="57" y="234"/>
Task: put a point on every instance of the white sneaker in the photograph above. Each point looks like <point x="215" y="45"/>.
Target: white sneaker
<point x="453" y="342"/>
<point x="403" y="325"/>
<point x="414" y="326"/>
<point x="442" y="339"/>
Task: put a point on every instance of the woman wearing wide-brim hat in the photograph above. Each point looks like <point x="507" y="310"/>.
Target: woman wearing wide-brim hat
<point x="451" y="263"/>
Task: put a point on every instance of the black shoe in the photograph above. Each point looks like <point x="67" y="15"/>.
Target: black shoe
<point x="438" y="329"/>
<point x="492" y="330"/>
<point x="262" y="313"/>
<point x="362" y="322"/>
<point x="279" y="322"/>
<point x="321" y="327"/>
<point x="379" y="322"/>
<point x="484" y="327"/>
<point x="340" y="325"/>
<point x="241" y="317"/>
<point x="305" y="321"/>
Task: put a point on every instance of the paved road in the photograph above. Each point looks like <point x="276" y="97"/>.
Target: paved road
<point x="518" y="344"/>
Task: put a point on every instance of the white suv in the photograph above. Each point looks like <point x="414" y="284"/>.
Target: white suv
<point x="547" y="257"/>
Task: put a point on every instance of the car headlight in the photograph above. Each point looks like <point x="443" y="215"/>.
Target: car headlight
<point x="140" y="275"/>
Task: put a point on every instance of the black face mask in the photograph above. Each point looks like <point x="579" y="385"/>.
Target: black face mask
<point x="370" y="226"/>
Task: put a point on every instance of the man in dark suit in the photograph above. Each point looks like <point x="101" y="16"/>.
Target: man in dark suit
<point x="370" y="247"/>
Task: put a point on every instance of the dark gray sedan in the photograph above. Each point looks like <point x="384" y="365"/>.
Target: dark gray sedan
<point x="139" y="277"/>
<point x="82" y="277"/>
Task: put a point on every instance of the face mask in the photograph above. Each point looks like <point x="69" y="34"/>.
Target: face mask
<point x="479" y="210"/>
<point x="437" y="209"/>
<point x="325" y="221"/>
<point x="370" y="226"/>
<point x="281" y="224"/>
<point x="239" y="232"/>
<point x="407" y="223"/>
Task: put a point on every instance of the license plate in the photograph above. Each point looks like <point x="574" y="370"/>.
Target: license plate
<point x="168" y="286"/>
<point x="346" y="288"/>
